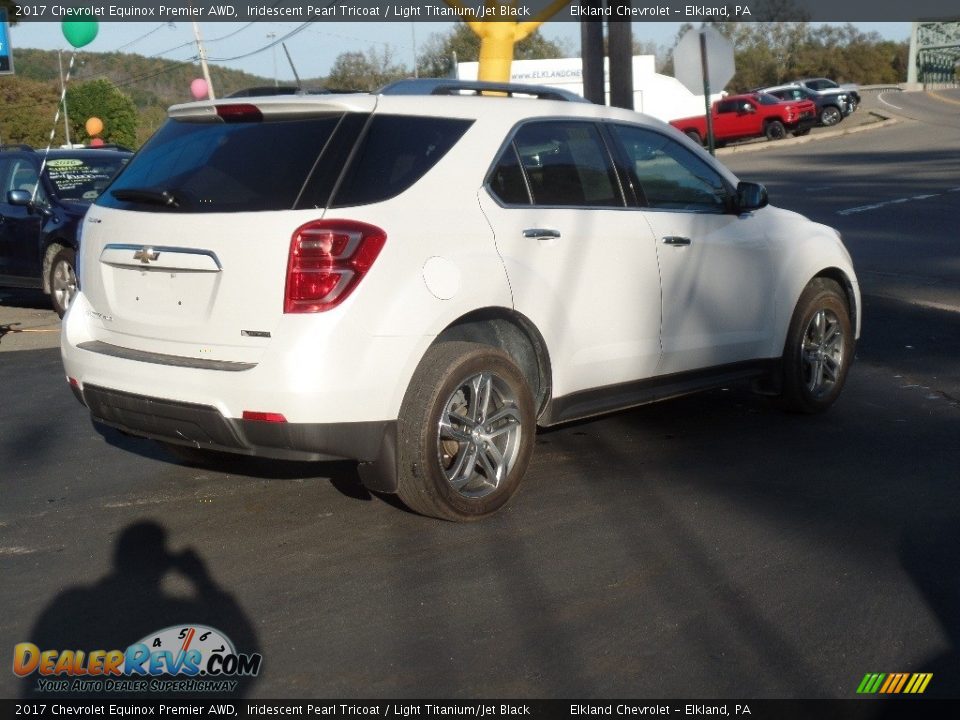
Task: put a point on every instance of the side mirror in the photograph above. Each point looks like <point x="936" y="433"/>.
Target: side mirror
<point x="19" y="197"/>
<point x="24" y="198"/>
<point x="751" y="196"/>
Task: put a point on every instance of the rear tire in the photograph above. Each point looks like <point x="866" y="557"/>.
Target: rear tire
<point x="695" y="136"/>
<point x="830" y="115"/>
<point x="819" y="348"/>
<point x="63" y="280"/>
<point x="775" y="130"/>
<point x="466" y="432"/>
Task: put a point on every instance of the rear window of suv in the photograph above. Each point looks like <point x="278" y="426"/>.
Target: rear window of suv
<point x="222" y="167"/>
<point x="203" y="167"/>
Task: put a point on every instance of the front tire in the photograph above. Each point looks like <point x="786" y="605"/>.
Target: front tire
<point x="466" y="432"/>
<point x="695" y="136"/>
<point x="63" y="280"/>
<point x="819" y="348"/>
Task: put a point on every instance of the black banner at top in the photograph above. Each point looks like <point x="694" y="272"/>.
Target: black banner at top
<point x="695" y="11"/>
<point x="490" y="709"/>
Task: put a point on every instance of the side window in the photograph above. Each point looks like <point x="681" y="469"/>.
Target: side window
<point x="506" y="180"/>
<point x="395" y="153"/>
<point x="567" y="165"/>
<point x="22" y="175"/>
<point x="670" y="176"/>
<point x="727" y="106"/>
<point x="5" y="166"/>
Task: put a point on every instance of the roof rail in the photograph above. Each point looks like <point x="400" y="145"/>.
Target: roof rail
<point x="16" y="146"/>
<point x="449" y="86"/>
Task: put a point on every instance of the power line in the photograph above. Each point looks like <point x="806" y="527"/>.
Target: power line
<point x="295" y="31"/>
<point x="144" y="36"/>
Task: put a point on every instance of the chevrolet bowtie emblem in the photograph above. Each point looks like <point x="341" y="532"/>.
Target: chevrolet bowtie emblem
<point x="146" y="255"/>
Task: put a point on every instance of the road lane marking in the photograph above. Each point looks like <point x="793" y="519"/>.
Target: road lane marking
<point x="944" y="99"/>
<point x="887" y="203"/>
<point x="895" y="107"/>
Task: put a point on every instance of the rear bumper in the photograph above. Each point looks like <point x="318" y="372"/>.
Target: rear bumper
<point x="804" y="123"/>
<point x="203" y="426"/>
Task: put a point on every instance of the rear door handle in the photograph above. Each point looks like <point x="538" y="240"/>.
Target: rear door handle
<point x="676" y="240"/>
<point x="541" y="233"/>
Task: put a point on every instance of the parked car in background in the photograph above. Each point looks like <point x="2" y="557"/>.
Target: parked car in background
<point x="416" y="280"/>
<point x="737" y="117"/>
<point x="831" y="107"/>
<point x="826" y="85"/>
<point x="43" y="197"/>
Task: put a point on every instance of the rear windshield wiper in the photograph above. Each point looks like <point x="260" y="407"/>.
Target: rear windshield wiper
<point x="154" y="197"/>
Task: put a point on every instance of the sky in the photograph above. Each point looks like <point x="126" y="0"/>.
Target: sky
<point x="314" y="48"/>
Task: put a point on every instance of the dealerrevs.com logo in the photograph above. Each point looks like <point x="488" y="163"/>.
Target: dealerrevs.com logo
<point x="181" y="658"/>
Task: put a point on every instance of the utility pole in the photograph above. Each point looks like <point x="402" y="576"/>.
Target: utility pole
<point x="63" y="94"/>
<point x="203" y="61"/>
<point x="273" y="50"/>
<point x="413" y="34"/>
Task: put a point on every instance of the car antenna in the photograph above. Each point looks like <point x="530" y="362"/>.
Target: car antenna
<point x="290" y="60"/>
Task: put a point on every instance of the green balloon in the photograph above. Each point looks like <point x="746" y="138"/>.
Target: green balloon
<point x="80" y="32"/>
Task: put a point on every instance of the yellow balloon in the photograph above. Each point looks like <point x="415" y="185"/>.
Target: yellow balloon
<point x="94" y="126"/>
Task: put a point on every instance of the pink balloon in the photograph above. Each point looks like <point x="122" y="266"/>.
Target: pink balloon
<point x="97" y="142"/>
<point x="198" y="88"/>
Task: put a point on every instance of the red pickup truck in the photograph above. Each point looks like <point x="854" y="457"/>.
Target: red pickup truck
<point x="754" y="115"/>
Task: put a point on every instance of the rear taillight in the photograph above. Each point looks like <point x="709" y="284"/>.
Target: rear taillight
<point x="328" y="259"/>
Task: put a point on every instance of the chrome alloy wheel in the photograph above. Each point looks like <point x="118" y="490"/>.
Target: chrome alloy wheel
<point x="822" y="352"/>
<point x="63" y="284"/>
<point x="479" y="435"/>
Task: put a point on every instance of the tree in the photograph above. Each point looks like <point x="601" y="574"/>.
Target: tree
<point x="771" y="53"/>
<point x="437" y="54"/>
<point x="364" y="71"/>
<point x="102" y="99"/>
<point x="27" y="109"/>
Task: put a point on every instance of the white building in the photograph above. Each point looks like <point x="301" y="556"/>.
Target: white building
<point x="658" y="95"/>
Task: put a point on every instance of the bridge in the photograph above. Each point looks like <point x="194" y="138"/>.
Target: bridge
<point x="934" y="51"/>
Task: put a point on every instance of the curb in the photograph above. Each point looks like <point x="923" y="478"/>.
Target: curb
<point x="884" y="121"/>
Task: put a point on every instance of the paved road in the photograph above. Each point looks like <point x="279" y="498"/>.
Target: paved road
<point x="710" y="546"/>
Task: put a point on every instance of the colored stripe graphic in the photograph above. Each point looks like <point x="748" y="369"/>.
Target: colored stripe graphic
<point x="894" y="683"/>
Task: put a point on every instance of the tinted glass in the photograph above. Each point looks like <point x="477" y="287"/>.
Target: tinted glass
<point x="83" y="178"/>
<point x="506" y="180"/>
<point x="20" y="173"/>
<point x="567" y="165"/>
<point x="395" y="152"/>
<point x="223" y="167"/>
<point x="670" y="176"/>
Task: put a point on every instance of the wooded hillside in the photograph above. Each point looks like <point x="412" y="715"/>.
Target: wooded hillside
<point x="28" y="100"/>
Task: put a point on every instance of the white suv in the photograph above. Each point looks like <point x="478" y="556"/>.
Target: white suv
<point x="416" y="279"/>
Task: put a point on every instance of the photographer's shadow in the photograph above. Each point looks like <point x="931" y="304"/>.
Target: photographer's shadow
<point x="130" y="605"/>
